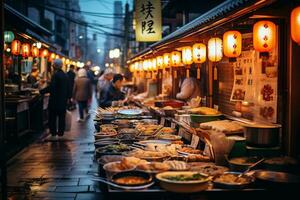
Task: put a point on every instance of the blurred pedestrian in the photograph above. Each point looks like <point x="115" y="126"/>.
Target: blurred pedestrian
<point x="71" y="75"/>
<point x="82" y="93"/>
<point x="103" y="82"/>
<point x="59" y="94"/>
<point x="89" y="73"/>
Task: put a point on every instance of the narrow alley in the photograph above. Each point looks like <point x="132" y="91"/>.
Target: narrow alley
<point x="56" y="169"/>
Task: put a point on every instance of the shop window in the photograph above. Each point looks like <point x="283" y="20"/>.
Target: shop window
<point x="60" y="26"/>
<point x="34" y="14"/>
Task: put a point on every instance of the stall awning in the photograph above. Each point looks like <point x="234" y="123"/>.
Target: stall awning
<point x="223" y="13"/>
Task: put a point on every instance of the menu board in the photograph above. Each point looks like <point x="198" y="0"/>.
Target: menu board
<point x="267" y="84"/>
<point x="255" y="81"/>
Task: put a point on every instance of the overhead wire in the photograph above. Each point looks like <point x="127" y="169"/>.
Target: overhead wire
<point x="95" y="26"/>
<point x="95" y="14"/>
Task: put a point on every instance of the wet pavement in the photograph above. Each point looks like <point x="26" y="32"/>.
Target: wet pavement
<point x="56" y="169"/>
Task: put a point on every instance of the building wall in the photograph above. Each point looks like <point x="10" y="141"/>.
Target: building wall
<point x="112" y="42"/>
<point x="56" y="17"/>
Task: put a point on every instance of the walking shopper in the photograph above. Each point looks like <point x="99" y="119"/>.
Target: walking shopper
<point x="82" y="93"/>
<point x="71" y="75"/>
<point x="59" y="95"/>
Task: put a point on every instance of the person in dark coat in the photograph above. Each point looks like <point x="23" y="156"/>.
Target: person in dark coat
<point x="112" y="92"/>
<point x="71" y="75"/>
<point x="59" y="90"/>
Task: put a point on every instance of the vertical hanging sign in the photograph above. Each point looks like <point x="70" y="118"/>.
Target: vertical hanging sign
<point x="148" y="20"/>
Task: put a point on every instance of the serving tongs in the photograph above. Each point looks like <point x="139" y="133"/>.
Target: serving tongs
<point x="249" y="168"/>
<point x="153" y="135"/>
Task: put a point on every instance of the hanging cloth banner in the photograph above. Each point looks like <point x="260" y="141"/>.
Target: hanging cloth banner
<point x="148" y="20"/>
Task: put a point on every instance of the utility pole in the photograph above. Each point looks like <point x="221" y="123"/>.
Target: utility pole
<point x="126" y="36"/>
<point x="2" y="107"/>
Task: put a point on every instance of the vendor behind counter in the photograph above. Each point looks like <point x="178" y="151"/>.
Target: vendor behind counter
<point x="112" y="92"/>
<point x="189" y="87"/>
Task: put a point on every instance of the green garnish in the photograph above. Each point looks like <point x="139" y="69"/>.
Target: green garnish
<point x="194" y="177"/>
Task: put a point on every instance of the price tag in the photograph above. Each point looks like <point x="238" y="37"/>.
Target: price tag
<point x="162" y="121"/>
<point x="173" y="125"/>
<point x="195" y="141"/>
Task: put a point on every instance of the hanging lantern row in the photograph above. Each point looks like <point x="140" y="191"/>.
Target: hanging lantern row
<point x="27" y="50"/>
<point x="264" y="40"/>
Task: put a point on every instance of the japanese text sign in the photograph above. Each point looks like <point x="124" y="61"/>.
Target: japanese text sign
<point x="148" y="20"/>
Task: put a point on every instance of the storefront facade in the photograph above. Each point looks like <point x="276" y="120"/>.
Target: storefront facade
<point x="268" y="91"/>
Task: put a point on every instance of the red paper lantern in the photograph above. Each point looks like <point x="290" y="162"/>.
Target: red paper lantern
<point x="15" y="47"/>
<point x="264" y="36"/>
<point x="35" y="52"/>
<point x="295" y="25"/>
<point x="44" y="53"/>
<point x="232" y="42"/>
<point x="25" y="50"/>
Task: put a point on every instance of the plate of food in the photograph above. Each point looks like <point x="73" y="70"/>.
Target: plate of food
<point x="232" y="180"/>
<point x="204" y="111"/>
<point x="145" y="142"/>
<point x="105" y="127"/>
<point x="148" y="155"/>
<point x="241" y="164"/>
<point x="132" y="178"/>
<point x="105" y="134"/>
<point x="124" y="164"/>
<point x="122" y="122"/>
<point x="130" y="111"/>
<point x="113" y="149"/>
<point x="102" y="142"/>
<point x="109" y="158"/>
<point x="186" y="150"/>
<point x="128" y="131"/>
<point x="169" y="137"/>
<point x="117" y="166"/>
<point x="197" y="158"/>
<point x="167" y="130"/>
<point x="207" y="168"/>
<point x="177" y="165"/>
<point x="153" y="167"/>
<point x="183" y="182"/>
<point x="147" y="129"/>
